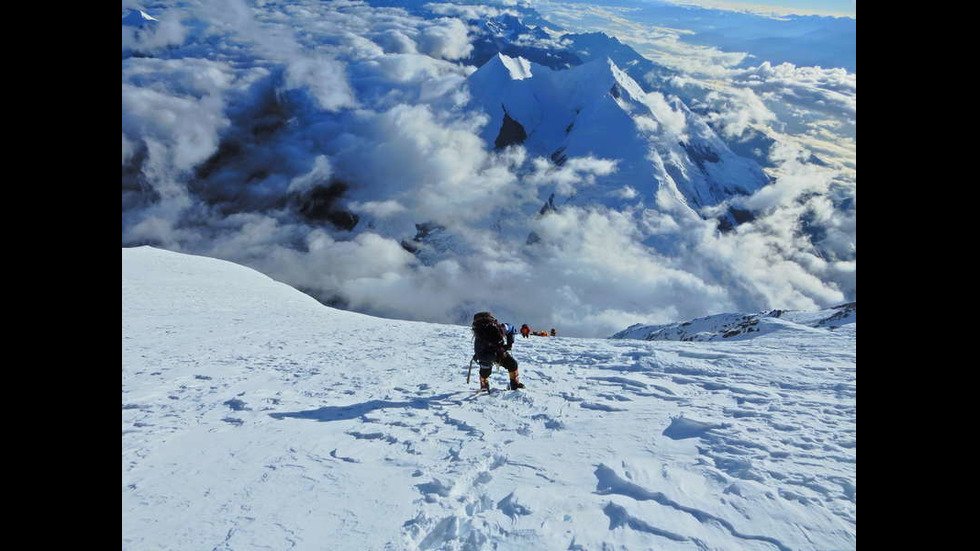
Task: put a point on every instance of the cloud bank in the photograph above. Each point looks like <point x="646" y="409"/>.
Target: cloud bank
<point x="332" y="146"/>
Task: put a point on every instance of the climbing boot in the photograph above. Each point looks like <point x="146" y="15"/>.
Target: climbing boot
<point x="514" y="383"/>
<point x="484" y="383"/>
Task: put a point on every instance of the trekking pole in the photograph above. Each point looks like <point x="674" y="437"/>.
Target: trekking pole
<point x="470" y="369"/>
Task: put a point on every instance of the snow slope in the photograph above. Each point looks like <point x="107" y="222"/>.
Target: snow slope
<point x="254" y="417"/>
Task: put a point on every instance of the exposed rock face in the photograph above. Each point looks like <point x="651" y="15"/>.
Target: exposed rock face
<point x="511" y="133"/>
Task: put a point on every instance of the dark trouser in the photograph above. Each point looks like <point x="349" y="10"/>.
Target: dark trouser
<point x="505" y="359"/>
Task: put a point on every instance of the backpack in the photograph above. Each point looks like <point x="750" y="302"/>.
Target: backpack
<point x="489" y="335"/>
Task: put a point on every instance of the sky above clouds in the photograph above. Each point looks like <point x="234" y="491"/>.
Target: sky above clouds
<point x="249" y="129"/>
<point x="814" y="107"/>
<point x="835" y="8"/>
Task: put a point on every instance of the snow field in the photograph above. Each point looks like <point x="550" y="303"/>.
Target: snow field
<point x="255" y="417"/>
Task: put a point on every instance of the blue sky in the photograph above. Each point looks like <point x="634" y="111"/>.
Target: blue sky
<point x="803" y="7"/>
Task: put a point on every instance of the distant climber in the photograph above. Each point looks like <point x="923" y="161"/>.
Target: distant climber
<point x="525" y="331"/>
<point x="553" y="333"/>
<point x="491" y="345"/>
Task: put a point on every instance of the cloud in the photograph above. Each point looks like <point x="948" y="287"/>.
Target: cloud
<point x="467" y="12"/>
<point x="672" y="121"/>
<point x="412" y="68"/>
<point x="379" y="209"/>
<point x="737" y="110"/>
<point x="567" y="178"/>
<point x="434" y="164"/>
<point x="322" y="171"/>
<point x="810" y="90"/>
<point x="180" y="131"/>
<point x="809" y="107"/>
<point x="325" y="80"/>
<point x="259" y="107"/>
<point x="195" y="78"/>
<point x="796" y="179"/>
<point x="128" y="149"/>
<point x="445" y="39"/>
<point x="394" y="41"/>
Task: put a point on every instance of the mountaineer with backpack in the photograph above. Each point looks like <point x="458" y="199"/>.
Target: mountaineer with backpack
<point x="492" y="341"/>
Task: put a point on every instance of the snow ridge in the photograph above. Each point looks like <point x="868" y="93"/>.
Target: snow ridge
<point x="745" y="326"/>
<point x="139" y="18"/>
<point x="517" y="68"/>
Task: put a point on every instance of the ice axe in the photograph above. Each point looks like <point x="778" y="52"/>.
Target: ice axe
<point x="470" y="369"/>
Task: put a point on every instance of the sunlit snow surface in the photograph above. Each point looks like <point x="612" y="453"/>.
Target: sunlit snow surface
<point x="254" y="417"/>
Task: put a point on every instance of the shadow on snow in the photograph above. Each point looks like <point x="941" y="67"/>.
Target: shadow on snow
<point x="353" y="411"/>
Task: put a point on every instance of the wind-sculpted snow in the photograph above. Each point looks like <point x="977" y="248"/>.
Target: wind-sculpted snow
<point x="252" y="416"/>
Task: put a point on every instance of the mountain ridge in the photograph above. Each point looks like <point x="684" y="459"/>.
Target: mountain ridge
<point x="737" y="326"/>
<point x="597" y="110"/>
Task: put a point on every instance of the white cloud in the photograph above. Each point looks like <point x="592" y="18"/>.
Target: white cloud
<point x="466" y="12"/>
<point x="321" y="172"/>
<point x="380" y="209"/>
<point x="672" y="121"/>
<point x="192" y="78"/>
<point x="575" y="173"/>
<point x="396" y="42"/>
<point x="413" y="68"/>
<point x="128" y="149"/>
<point x="445" y="39"/>
<point x="325" y="79"/>
<point x="737" y="110"/>
<point x="187" y="127"/>
<point x="797" y="178"/>
<point x="438" y="166"/>
<point x="309" y="93"/>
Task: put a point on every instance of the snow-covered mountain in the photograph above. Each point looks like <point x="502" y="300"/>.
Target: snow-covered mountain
<point x="745" y="326"/>
<point x="665" y="154"/>
<point x="649" y="75"/>
<point x="139" y="18"/>
<point x="360" y="153"/>
<point x="253" y="416"/>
